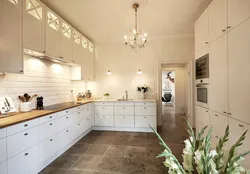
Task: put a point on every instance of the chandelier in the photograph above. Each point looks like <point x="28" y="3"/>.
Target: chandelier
<point x="136" y="38"/>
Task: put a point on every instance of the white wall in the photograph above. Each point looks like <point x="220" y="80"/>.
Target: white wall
<point x="45" y="78"/>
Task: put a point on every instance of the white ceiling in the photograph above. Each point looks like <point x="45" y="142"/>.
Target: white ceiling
<point x="109" y="20"/>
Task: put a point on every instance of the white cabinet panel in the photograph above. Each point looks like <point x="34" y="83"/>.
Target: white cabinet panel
<point x="238" y="71"/>
<point x="21" y="127"/>
<point x="87" y="112"/>
<point x="104" y="110"/>
<point x="66" y="42"/>
<point x="202" y="115"/>
<point x="104" y="120"/>
<point x="66" y="121"/>
<point x="104" y="103"/>
<point x="4" y="168"/>
<point x="3" y="132"/>
<point x="124" y="110"/>
<point x="66" y="136"/>
<point x="124" y="104"/>
<point x="48" y="129"/>
<point x="124" y="121"/>
<point x="238" y="11"/>
<point x="48" y="118"/>
<point x="145" y="121"/>
<point x="33" y="25"/>
<point x="217" y="19"/>
<point x="21" y="141"/>
<point x="145" y="104"/>
<point x="3" y="149"/>
<point x="237" y="128"/>
<point x="219" y="122"/>
<point x="53" y="34"/>
<point x="11" y="49"/>
<point x="145" y="111"/>
<point x="47" y="148"/>
<point x="25" y="162"/>
<point x="201" y="31"/>
<point x="218" y="80"/>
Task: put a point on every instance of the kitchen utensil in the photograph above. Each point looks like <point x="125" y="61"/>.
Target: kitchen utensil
<point x="27" y="97"/>
<point x="33" y="96"/>
<point x="21" y="98"/>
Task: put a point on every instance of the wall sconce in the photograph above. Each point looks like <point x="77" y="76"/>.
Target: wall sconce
<point x="109" y="72"/>
<point x="139" y="72"/>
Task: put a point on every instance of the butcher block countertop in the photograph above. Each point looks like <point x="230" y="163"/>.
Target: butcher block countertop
<point x="15" y="118"/>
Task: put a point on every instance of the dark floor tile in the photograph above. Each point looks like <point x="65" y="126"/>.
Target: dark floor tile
<point x="65" y="161"/>
<point x="78" y="149"/>
<point x="115" y="151"/>
<point x="94" y="133"/>
<point x="97" y="149"/>
<point x="87" y="162"/>
<point x="151" y="135"/>
<point x="137" y="142"/>
<point x="78" y="172"/>
<point x="108" y="133"/>
<point x="104" y="140"/>
<point x="122" y="134"/>
<point x="152" y="152"/>
<point x="136" y="152"/>
<point x="123" y="140"/>
<point x="132" y="166"/>
<point x="155" y="164"/>
<point x="50" y="170"/>
<point x="152" y="142"/>
<point x="88" y="139"/>
<point x="109" y="164"/>
<point x="138" y="135"/>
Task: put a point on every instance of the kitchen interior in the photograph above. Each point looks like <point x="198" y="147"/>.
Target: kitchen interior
<point x="80" y="82"/>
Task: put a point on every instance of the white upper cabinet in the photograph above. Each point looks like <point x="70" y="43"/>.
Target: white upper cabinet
<point x="66" y="42"/>
<point x="11" y="49"/>
<point x="238" y="71"/>
<point x="53" y="34"/>
<point x="201" y="31"/>
<point x="33" y="25"/>
<point x="238" y="11"/>
<point x="218" y="75"/>
<point x="77" y="48"/>
<point x="88" y="60"/>
<point x="217" y="19"/>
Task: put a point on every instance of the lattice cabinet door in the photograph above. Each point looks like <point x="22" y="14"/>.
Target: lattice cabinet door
<point x="33" y="25"/>
<point x="67" y="42"/>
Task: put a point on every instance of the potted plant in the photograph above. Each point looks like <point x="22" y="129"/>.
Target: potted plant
<point x="142" y="90"/>
<point x="199" y="158"/>
<point x="106" y="95"/>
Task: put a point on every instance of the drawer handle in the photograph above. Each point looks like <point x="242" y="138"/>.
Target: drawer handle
<point x="229" y="27"/>
<point x="206" y="111"/>
<point x="224" y="30"/>
<point x="216" y="137"/>
<point x="51" y="139"/>
<point x="206" y="42"/>
<point x="87" y="109"/>
<point x="216" y="115"/>
<point x="103" y="107"/>
<point x="25" y="125"/>
<point x="26" y="154"/>
<point x="67" y="111"/>
<point x="78" y="112"/>
<point x="67" y="130"/>
<point x="123" y="117"/>
<point x="229" y="113"/>
<point x="50" y="117"/>
<point x="145" y="117"/>
<point x="50" y="124"/>
<point x="103" y="103"/>
<point x="79" y="124"/>
<point x="240" y="125"/>
<point x="25" y="134"/>
<point x="87" y="119"/>
<point x="67" y="117"/>
<point x="145" y="103"/>
<point x="123" y="107"/>
<point x="224" y="112"/>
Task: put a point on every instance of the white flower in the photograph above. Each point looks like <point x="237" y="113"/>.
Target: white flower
<point x="213" y="153"/>
<point x="188" y="162"/>
<point x="191" y="139"/>
<point x="188" y="148"/>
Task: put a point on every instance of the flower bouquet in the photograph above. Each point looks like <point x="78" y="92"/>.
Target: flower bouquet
<point x="198" y="156"/>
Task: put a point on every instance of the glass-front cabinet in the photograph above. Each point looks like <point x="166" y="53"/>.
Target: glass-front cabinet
<point x="66" y="42"/>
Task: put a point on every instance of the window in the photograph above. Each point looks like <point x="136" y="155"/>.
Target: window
<point x="91" y="47"/>
<point x="15" y="2"/>
<point x="84" y="43"/>
<point x="66" y="30"/>
<point x="53" y="21"/>
<point x="76" y="37"/>
<point x="34" y="8"/>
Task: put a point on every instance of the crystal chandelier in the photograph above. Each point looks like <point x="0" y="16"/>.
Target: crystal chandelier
<point x="136" y="38"/>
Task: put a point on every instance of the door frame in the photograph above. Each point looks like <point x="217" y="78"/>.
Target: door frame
<point x="190" y="104"/>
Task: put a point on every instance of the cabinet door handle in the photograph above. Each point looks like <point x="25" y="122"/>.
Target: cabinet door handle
<point x="26" y="154"/>
<point x="25" y="134"/>
<point x="229" y="27"/>
<point x="206" y="111"/>
<point x="206" y="42"/>
<point x="50" y="124"/>
<point x="25" y="125"/>
<point x="240" y="125"/>
<point x="224" y="30"/>
<point x="224" y="112"/>
<point x="216" y="115"/>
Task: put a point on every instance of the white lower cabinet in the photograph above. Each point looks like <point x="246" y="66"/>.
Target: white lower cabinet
<point x="124" y="121"/>
<point x="202" y="115"/>
<point x="3" y="168"/>
<point x="104" y="120"/>
<point x="3" y="146"/>
<point x="145" y="110"/>
<point x="104" y="110"/>
<point x="219" y="122"/>
<point x="48" y="129"/>
<point x="124" y="110"/>
<point x="25" y="162"/>
<point x="145" y="121"/>
<point x="47" y="148"/>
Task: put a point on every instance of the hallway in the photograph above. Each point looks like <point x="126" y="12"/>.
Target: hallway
<point x="104" y="152"/>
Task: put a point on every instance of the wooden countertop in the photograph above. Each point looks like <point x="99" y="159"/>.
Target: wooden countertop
<point x="15" y="118"/>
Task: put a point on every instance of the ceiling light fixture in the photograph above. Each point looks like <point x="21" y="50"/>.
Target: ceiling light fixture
<point x="139" y="72"/>
<point x="136" y="38"/>
<point x="109" y="72"/>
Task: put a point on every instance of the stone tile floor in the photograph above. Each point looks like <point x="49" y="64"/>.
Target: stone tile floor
<point x="106" y="152"/>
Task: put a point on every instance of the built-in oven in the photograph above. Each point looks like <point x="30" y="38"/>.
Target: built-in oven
<point x="202" y="94"/>
<point x="202" y="67"/>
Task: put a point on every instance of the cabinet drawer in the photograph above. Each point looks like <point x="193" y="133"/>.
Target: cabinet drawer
<point x="104" y="110"/>
<point x="87" y="112"/>
<point x="66" y="112"/>
<point x="3" y="133"/>
<point x="3" y="167"/>
<point x="80" y="128"/>
<point x="124" y="104"/>
<point x="65" y="137"/>
<point x="124" y="121"/>
<point x="48" y="118"/>
<point x="47" y="148"/>
<point x="215" y="140"/>
<point x="104" y="103"/>
<point x="145" y="111"/>
<point x="88" y="105"/>
<point x="3" y="148"/>
<point x="145" y="104"/>
<point x="21" y="141"/>
<point x="78" y="116"/>
<point x="66" y="122"/>
<point x="104" y="120"/>
<point x="145" y="121"/>
<point x="25" y="162"/>
<point x="218" y="122"/>
<point x="48" y="129"/>
<point x="21" y="127"/>
<point x="237" y="128"/>
<point x="124" y="110"/>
